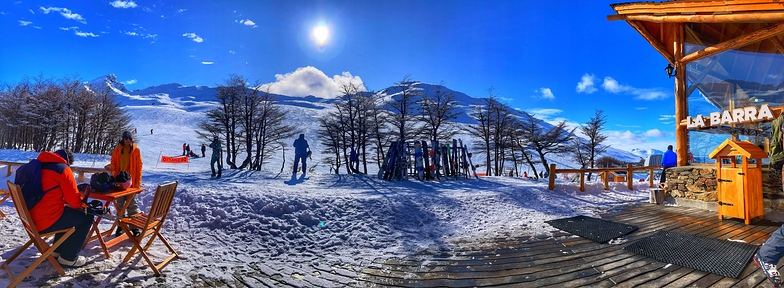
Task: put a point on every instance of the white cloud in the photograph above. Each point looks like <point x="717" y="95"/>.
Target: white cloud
<point x="193" y="36"/>
<point x="641" y="108"/>
<point x="627" y="135"/>
<point x="24" y="23"/>
<point x="69" y="28"/>
<point x="207" y="62"/>
<point x="131" y="33"/>
<point x="649" y="94"/>
<point x="246" y="22"/>
<point x="130" y="82"/>
<point x="123" y="4"/>
<point x="612" y="86"/>
<point x="311" y="81"/>
<point x="232" y="52"/>
<point x="85" y="34"/>
<point x="182" y="10"/>
<point x="586" y="84"/>
<point x="667" y="119"/>
<point x="31" y="11"/>
<point x="654" y="133"/>
<point x="545" y="93"/>
<point x="544" y="112"/>
<point x="65" y="13"/>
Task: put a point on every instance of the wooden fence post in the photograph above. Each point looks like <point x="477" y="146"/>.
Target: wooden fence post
<point x="551" y="178"/>
<point x="629" y="177"/>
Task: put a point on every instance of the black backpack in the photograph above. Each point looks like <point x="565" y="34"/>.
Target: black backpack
<point x="101" y="182"/>
<point x="28" y="176"/>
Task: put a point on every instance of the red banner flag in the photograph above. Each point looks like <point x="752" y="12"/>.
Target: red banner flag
<point x="176" y="159"/>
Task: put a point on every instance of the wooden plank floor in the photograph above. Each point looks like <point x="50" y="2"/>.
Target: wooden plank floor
<point x="570" y="261"/>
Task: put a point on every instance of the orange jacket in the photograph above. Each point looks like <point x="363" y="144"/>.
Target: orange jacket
<point x="51" y="207"/>
<point x="135" y="164"/>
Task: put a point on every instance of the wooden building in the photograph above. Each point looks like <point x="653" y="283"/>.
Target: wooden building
<point x="728" y="53"/>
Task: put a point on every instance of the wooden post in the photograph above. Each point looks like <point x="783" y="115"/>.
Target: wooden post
<point x="650" y="177"/>
<point x="606" y="178"/>
<point x="551" y="178"/>
<point x="629" y="178"/>
<point x="9" y="170"/>
<point x="681" y="99"/>
<point x="582" y="181"/>
<point x="719" y="189"/>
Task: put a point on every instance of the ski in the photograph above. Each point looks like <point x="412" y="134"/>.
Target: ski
<point x="426" y="156"/>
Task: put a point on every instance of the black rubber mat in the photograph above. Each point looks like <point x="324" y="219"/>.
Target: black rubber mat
<point x="594" y="229"/>
<point x="722" y="257"/>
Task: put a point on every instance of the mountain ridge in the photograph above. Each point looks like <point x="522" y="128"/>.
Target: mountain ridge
<point x="199" y="99"/>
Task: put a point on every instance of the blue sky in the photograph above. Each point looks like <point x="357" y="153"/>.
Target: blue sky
<point x="559" y="60"/>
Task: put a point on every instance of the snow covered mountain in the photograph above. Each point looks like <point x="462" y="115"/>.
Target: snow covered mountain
<point x="304" y="111"/>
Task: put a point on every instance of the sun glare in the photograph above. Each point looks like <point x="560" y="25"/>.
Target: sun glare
<point x="321" y="34"/>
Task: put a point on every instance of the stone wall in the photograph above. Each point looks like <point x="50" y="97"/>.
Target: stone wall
<point x="699" y="183"/>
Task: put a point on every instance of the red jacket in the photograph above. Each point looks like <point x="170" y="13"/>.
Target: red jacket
<point x="51" y="207"/>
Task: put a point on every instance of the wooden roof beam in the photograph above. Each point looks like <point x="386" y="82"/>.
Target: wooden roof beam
<point x="701" y="76"/>
<point x="658" y="45"/>
<point x="744" y="40"/>
<point x="702" y="18"/>
<point x="777" y="42"/>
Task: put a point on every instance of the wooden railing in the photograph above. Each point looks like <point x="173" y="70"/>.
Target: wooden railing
<point x="603" y="172"/>
<point x="79" y="170"/>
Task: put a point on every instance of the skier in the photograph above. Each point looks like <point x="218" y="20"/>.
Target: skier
<point x="216" y="157"/>
<point x="188" y="149"/>
<point x="353" y="160"/>
<point x="203" y="149"/>
<point x="301" y="152"/>
<point x="183" y="149"/>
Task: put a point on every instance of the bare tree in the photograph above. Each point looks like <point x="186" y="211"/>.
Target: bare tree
<point x="592" y="129"/>
<point x="483" y="129"/>
<point x="438" y="112"/>
<point x="401" y="107"/>
<point x="269" y="129"/>
<point x="556" y="140"/>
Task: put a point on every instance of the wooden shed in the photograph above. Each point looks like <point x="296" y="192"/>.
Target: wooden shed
<point x="739" y="188"/>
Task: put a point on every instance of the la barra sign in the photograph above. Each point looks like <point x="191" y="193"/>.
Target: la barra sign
<point x="748" y="114"/>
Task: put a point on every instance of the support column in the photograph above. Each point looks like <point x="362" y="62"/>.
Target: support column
<point x="681" y="103"/>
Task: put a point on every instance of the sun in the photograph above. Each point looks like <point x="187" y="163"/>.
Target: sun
<point x="321" y="34"/>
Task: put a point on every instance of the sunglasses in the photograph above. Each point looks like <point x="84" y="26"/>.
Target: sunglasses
<point x="127" y="138"/>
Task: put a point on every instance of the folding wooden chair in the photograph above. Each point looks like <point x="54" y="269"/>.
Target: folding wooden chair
<point x="151" y="223"/>
<point x="35" y="239"/>
<point x="4" y="194"/>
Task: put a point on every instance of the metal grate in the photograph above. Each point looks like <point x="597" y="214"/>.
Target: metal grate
<point x="716" y="256"/>
<point x="594" y="229"/>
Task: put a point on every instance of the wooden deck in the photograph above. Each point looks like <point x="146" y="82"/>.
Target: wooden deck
<point x="570" y="261"/>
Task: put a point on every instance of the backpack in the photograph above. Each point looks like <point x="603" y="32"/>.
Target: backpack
<point x="101" y="182"/>
<point x="122" y="181"/>
<point x="28" y="176"/>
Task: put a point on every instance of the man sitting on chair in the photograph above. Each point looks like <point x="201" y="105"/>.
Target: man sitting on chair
<point x="52" y="214"/>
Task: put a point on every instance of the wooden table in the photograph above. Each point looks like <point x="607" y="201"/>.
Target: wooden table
<point x="110" y="198"/>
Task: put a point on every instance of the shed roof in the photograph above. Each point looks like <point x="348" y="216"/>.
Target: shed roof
<point x="734" y="148"/>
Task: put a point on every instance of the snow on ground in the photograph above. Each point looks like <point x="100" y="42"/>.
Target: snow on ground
<point x="220" y="225"/>
<point x="223" y="226"/>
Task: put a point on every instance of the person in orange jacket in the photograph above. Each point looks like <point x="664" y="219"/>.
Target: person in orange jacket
<point x="52" y="214"/>
<point x="127" y="157"/>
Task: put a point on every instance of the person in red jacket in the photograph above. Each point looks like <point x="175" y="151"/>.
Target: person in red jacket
<point x="127" y="157"/>
<point x="52" y="214"/>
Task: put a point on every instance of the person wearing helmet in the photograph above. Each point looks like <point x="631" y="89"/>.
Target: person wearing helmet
<point x="128" y="158"/>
